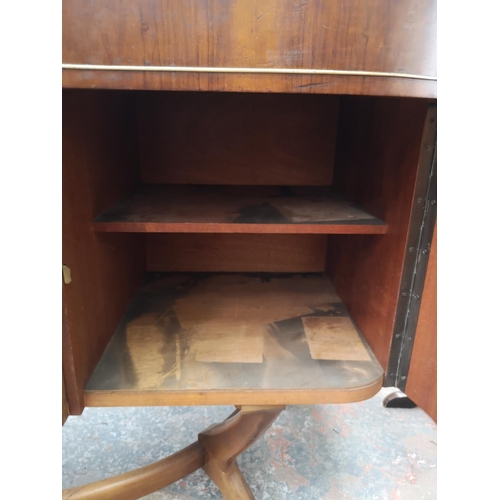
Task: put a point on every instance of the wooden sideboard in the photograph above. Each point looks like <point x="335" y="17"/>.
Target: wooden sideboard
<point x="249" y="202"/>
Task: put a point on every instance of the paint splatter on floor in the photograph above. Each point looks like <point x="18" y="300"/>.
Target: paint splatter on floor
<point x="356" y="451"/>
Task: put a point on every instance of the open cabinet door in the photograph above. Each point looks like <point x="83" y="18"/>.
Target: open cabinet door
<point x="422" y="377"/>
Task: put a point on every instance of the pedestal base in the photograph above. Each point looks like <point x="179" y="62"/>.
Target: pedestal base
<point x="216" y="451"/>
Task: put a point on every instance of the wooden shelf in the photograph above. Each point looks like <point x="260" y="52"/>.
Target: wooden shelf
<point x="225" y="338"/>
<point x="237" y="209"/>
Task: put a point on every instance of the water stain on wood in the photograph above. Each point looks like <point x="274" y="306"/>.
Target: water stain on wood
<point x="156" y="204"/>
<point x="218" y="331"/>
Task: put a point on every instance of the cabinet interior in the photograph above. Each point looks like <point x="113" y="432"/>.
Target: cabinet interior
<point x="256" y="240"/>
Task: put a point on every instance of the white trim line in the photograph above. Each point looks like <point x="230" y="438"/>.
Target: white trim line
<point x="283" y="71"/>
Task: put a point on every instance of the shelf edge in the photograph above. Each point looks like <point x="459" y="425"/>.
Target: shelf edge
<point x="232" y="397"/>
<point x="195" y="227"/>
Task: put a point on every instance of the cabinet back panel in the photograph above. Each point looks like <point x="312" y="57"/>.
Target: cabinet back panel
<point x="243" y="139"/>
<point x="99" y="168"/>
<point x="380" y="176"/>
<point x="236" y="252"/>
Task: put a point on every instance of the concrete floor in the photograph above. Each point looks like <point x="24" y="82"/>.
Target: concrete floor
<point x="342" y="452"/>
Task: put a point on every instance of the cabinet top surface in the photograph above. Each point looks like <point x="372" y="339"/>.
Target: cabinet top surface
<point x="371" y="37"/>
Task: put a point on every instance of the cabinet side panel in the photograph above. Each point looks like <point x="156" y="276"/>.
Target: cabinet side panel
<point x="245" y="139"/>
<point x="100" y="166"/>
<point x="378" y="155"/>
<point x="236" y="252"/>
<point x="422" y="377"/>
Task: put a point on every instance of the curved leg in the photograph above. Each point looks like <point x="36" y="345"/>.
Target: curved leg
<point x="140" y="482"/>
<point x="224" y="442"/>
<point x="215" y="451"/>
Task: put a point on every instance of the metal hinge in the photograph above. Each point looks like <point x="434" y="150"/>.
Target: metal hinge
<point x="422" y="222"/>
<point x="66" y="271"/>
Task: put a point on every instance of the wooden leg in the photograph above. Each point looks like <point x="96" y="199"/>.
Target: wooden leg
<point x="224" y="442"/>
<point x="140" y="482"/>
<point x="216" y="451"/>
